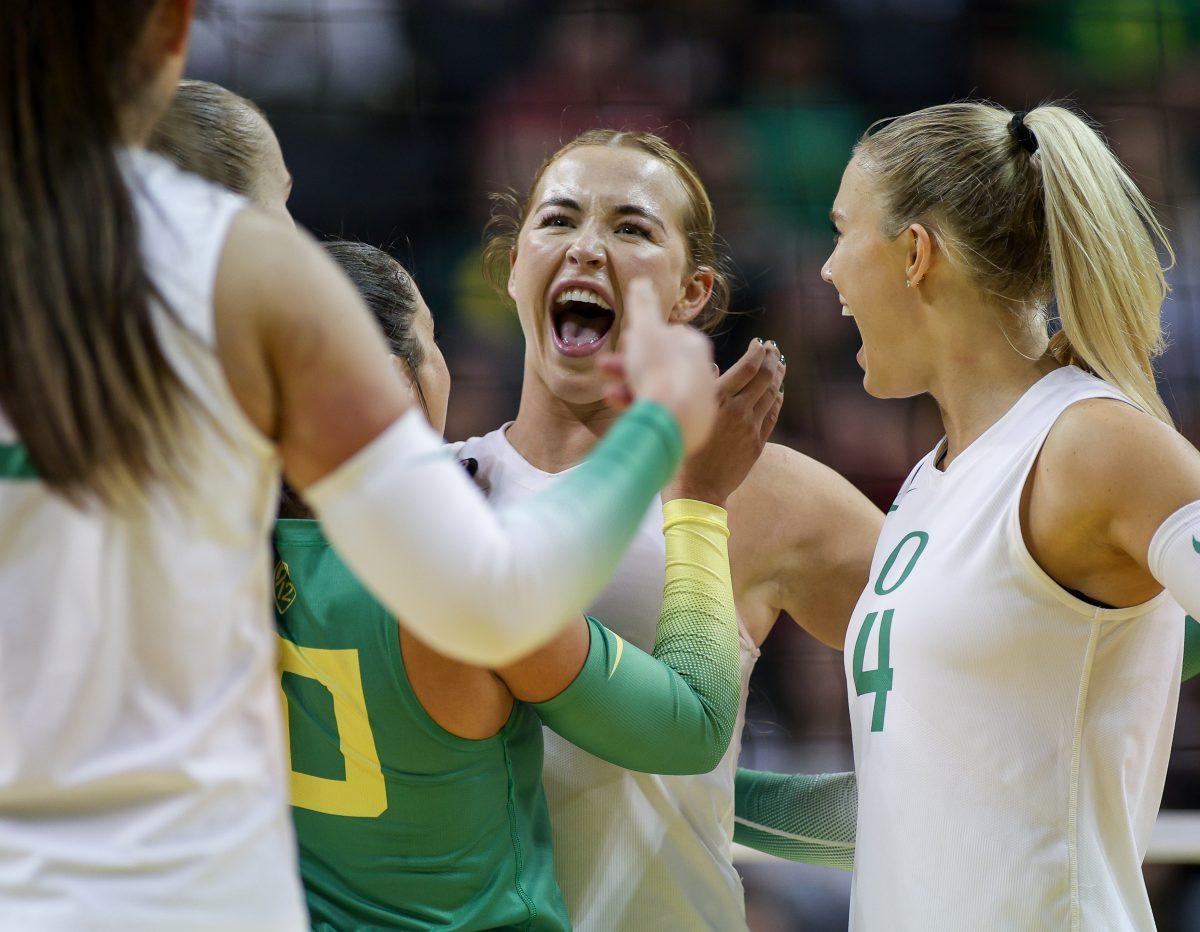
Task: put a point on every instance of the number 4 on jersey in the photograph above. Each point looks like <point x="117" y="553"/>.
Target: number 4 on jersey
<point x="879" y="680"/>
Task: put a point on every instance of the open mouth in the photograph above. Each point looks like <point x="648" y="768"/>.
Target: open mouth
<point x="580" y="320"/>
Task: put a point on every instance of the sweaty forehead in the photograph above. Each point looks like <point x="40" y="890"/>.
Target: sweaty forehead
<point x="605" y="177"/>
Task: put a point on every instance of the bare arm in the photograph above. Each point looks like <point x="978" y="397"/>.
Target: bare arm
<point x="310" y="369"/>
<point x="802" y="542"/>
<point x="1107" y="478"/>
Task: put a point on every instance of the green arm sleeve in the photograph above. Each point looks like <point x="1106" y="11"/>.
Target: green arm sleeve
<point x="1191" y="648"/>
<point x="672" y="712"/>
<point x="489" y="587"/>
<point x="801" y="817"/>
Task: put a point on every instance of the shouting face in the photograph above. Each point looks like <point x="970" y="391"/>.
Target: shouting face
<point x="600" y="217"/>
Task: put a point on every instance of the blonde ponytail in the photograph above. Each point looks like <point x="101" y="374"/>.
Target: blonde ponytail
<point x="1035" y="209"/>
<point x="1107" y="277"/>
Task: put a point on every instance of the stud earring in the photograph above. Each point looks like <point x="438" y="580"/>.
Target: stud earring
<point x="907" y="283"/>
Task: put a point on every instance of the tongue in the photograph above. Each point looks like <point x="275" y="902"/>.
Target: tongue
<point x="577" y="330"/>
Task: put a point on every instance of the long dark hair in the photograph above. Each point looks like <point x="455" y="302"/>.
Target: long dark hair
<point x="391" y="295"/>
<point x="82" y="376"/>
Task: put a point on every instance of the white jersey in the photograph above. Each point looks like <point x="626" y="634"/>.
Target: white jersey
<point x="1011" y="739"/>
<point x="632" y="851"/>
<point x="142" y="765"/>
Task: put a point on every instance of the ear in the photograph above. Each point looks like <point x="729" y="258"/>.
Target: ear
<point x="697" y="289"/>
<point x="512" y="260"/>
<point x="174" y="21"/>
<point x="920" y="254"/>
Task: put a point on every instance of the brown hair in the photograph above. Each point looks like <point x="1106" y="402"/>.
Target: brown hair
<point x="391" y="295"/>
<point x="82" y="376"/>
<point x="214" y="133"/>
<point x="1035" y="212"/>
<point x="509" y="213"/>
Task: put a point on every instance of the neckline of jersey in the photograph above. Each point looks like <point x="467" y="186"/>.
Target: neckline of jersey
<point x="981" y="442"/>
<point x="519" y="457"/>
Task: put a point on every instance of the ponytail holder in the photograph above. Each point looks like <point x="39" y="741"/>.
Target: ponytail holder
<point x="1024" y="135"/>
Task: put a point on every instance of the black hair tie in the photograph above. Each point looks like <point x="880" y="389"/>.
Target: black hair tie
<point x="1024" y="135"/>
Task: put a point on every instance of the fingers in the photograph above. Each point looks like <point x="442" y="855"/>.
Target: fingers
<point x="763" y="381"/>
<point x="738" y="375"/>
<point x="766" y="397"/>
<point x="612" y="366"/>
<point x="771" y="419"/>
<point x="642" y="310"/>
<point x="618" y="396"/>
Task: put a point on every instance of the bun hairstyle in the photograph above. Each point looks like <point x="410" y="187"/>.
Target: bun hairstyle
<point x="391" y="295"/>
<point x="509" y="214"/>
<point x="212" y="132"/>
<point x="1036" y="208"/>
<point x="83" y="379"/>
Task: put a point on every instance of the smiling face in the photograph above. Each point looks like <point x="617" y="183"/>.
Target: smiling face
<point x="869" y="270"/>
<point x="600" y="217"/>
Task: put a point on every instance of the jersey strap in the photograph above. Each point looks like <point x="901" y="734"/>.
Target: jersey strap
<point x="15" y="462"/>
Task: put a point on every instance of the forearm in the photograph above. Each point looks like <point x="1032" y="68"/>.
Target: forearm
<point x="482" y="586"/>
<point x="673" y="712"/>
<point x="800" y="817"/>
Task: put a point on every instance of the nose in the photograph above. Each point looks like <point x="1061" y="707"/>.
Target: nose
<point x="587" y="251"/>
<point x="827" y="271"/>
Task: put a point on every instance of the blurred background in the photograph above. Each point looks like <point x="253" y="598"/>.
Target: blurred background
<point x="398" y="117"/>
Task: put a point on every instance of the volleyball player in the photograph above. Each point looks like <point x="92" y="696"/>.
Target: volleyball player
<point x="222" y="136"/>
<point x="1013" y="663"/>
<point x="605" y="208"/>
<point x="417" y="797"/>
<point x="162" y="350"/>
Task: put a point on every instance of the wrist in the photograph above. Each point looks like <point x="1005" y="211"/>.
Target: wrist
<point x="682" y="489"/>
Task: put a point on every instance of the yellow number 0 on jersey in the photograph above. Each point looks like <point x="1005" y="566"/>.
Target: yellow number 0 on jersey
<point x="363" y="792"/>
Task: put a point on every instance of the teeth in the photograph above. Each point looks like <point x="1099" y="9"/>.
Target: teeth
<point x="582" y="294"/>
<point x="846" y="311"/>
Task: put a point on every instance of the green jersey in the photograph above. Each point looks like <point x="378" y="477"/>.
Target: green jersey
<point x="400" y="823"/>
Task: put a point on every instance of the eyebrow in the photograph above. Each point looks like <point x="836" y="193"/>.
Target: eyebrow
<point x="559" y="202"/>
<point x="641" y="212"/>
<point x="622" y="209"/>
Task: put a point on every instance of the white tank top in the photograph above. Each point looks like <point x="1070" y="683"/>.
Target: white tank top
<point x="632" y="851"/>
<point x="142" y="767"/>
<point x="1011" y="740"/>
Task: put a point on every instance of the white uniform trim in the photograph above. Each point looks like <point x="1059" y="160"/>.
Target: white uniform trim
<point x="142" y="771"/>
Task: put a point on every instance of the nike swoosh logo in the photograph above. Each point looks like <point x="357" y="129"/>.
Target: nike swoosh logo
<point x="1195" y="544"/>
<point x="620" y="651"/>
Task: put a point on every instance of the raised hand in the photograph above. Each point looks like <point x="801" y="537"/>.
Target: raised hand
<point x="668" y="364"/>
<point x="750" y="396"/>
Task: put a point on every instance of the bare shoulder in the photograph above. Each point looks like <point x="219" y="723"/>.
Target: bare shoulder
<point x="1102" y="454"/>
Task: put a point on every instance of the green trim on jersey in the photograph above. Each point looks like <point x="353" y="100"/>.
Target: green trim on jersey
<point x="1191" y="647"/>
<point x="400" y="823"/>
<point x="15" y="462"/>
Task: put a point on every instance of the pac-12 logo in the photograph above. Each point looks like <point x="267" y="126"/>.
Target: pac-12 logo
<point x="285" y="592"/>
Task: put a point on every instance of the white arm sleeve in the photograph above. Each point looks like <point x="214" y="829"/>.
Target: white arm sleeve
<point x="486" y="586"/>
<point x="1174" y="557"/>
